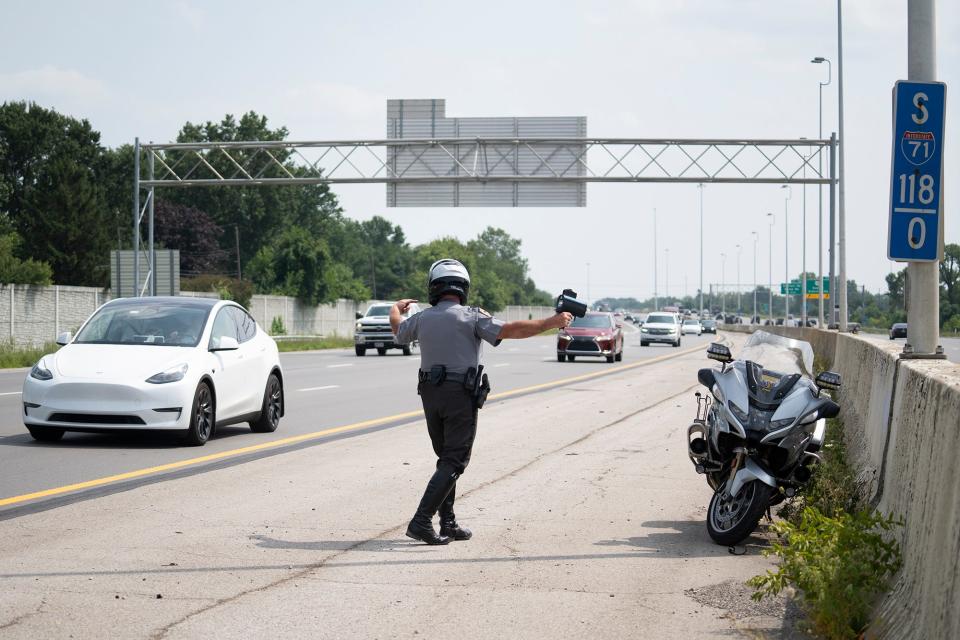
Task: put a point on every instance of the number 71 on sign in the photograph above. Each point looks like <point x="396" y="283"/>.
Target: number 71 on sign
<point x="916" y="181"/>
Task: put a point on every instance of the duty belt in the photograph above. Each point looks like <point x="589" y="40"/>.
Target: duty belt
<point x="424" y="376"/>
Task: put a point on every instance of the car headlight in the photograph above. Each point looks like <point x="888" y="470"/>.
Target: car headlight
<point x="564" y="336"/>
<point x="40" y="371"/>
<point x="644" y="330"/>
<point x="359" y="326"/>
<point x="173" y="374"/>
<point x="602" y="337"/>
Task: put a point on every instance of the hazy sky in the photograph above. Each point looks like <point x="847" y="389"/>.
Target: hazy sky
<point x="681" y="68"/>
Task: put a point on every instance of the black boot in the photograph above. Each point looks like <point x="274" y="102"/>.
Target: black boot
<point x="448" y="520"/>
<point x="421" y="527"/>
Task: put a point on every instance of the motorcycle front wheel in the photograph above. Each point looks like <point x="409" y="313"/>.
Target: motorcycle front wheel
<point x="731" y="519"/>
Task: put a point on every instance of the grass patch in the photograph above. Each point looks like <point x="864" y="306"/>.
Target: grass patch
<point x="313" y="344"/>
<point x="12" y="357"/>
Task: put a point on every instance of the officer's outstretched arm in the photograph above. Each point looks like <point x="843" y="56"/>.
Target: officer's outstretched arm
<point x="530" y="328"/>
<point x="396" y="312"/>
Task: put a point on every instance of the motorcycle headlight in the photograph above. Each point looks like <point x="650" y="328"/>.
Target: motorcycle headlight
<point x="173" y="374"/>
<point x="40" y="371"/>
<point x="810" y="417"/>
<point x="739" y="414"/>
<point x="718" y="394"/>
<point x="780" y="424"/>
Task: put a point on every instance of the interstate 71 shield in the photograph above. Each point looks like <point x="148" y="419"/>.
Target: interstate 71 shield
<point x="916" y="180"/>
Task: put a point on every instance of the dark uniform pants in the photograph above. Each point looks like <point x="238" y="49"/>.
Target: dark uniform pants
<point x="452" y="425"/>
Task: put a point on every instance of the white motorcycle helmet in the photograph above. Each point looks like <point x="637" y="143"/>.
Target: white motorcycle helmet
<point x="448" y="276"/>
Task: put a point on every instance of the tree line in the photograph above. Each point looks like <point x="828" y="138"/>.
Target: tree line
<point x="66" y="202"/>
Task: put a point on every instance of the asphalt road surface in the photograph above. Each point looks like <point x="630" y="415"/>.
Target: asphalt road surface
<point x="325" y="391"/>
<point x="951" y="347"/>
<point x="588" y="521"/>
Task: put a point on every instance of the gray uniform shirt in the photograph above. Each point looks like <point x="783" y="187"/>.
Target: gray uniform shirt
<point x="450" y="334"/>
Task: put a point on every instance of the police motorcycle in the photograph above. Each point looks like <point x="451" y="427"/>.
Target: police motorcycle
<point x="757" y="434"/>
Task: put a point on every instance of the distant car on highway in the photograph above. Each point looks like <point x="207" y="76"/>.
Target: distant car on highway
<point x="691" y="325"/>
<point x="709" y="325"/>
<point x="373" y="330"/>
<point x="597" y="334"/>
<point x="661" y="327"/>
<point x="898" y="330"/>
<point x="189" y="365"/>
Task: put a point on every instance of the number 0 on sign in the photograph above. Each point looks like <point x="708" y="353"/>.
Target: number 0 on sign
<point x="916" y="183"/>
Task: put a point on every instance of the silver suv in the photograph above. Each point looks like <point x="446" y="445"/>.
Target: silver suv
<point x="373" y="330"/>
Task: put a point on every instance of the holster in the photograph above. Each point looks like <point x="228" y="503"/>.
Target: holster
<point x="478" y="384"/>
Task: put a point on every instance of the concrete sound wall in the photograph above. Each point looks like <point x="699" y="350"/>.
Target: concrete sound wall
<point x="901" y="426"/>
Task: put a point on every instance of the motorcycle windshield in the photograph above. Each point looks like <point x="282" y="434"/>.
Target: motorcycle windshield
<point x="779" y="354"/>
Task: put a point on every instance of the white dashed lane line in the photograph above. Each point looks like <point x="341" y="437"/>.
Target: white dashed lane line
<point x="337" y="366"/>
<point x="11" y="393"/>
<point x="502" y="364"/>
<point x="329" y="386"/>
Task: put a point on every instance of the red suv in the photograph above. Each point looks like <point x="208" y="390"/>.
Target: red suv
<point x="596" y="334"/>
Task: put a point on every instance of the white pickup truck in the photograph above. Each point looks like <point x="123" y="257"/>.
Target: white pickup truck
<point x="373" y="330"/>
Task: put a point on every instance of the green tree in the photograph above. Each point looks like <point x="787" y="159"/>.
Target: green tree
<point x="53" y="171"/>
<point x="13" y="270"/>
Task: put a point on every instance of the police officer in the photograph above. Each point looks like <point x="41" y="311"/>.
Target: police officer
<point x="451" y="336"/>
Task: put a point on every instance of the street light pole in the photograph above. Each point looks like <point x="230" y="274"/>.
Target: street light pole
<point x="666" y="285"/>
<point x="723" y="280"/>
<point x="755" y="239"/>
<point x="841" y="292"/>
<point x="739" y="306"/>
<point x="803" y="258"/>
<point x="786" y="251"/>
<point x="770" y="232"/>
<point x="656" y="258"/>
<point x="588" y="285"/>
<point x="700" y="310"/>
<point x="819" y="60"/>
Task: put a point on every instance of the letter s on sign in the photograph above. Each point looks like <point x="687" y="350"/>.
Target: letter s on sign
<point x="919" y="101"/>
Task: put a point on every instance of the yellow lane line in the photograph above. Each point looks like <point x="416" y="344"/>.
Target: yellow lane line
<point x="273" y="444"/>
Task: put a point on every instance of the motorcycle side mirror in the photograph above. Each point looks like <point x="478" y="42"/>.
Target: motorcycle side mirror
<point x="828" y="380"/>
<point x="719" y="352"/>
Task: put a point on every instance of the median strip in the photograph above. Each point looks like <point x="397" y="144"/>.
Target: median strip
<point x="306" y="437"/>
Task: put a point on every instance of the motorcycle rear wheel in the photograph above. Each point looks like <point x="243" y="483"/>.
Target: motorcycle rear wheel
<point x="731" y="520"/>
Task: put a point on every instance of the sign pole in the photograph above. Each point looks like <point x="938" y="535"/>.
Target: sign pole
<point x="923" y="311"/>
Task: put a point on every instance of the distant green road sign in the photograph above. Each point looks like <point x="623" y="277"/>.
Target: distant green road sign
<point x="795" y="288"/>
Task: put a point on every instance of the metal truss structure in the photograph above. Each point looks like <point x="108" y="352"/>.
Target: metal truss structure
<point x="471" y="162"/>
<point x="451" y="160"/>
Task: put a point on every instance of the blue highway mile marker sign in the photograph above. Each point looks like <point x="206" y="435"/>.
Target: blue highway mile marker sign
<point x="916" y="181"/>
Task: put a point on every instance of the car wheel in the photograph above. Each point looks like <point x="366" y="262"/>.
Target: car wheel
<point x="561" y="357"/>
<point x="42" y="434"/>
<point x="407" y="351"/>
<point x="272" y="407"/>
<point x="619" y="356"/>
<point x="202" y="416"/>
<point x="644" y="343"/>
<point x="381" y="352"/>
<point x="677" y="343"/>
<point x="571" y="358"/>
<point x="611" y="358"/>
<point x="361" y="351"/>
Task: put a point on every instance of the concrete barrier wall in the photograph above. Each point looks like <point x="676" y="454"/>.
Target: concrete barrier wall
<point x="34" y="315"/>
<point x="906" y="455"/>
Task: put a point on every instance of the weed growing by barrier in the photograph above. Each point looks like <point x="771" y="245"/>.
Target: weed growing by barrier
<point x="12" y="357"/>
<point x="832" y="547"/>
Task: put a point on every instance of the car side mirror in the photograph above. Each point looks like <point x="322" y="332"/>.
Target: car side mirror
<point x="828" y="380"/>
<point x="719" y="352"/>
<point x="359" y="315"/>
<point x="619" y="325"/>
<point x="64" y="338"/>
<point x="226" y="343"/>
